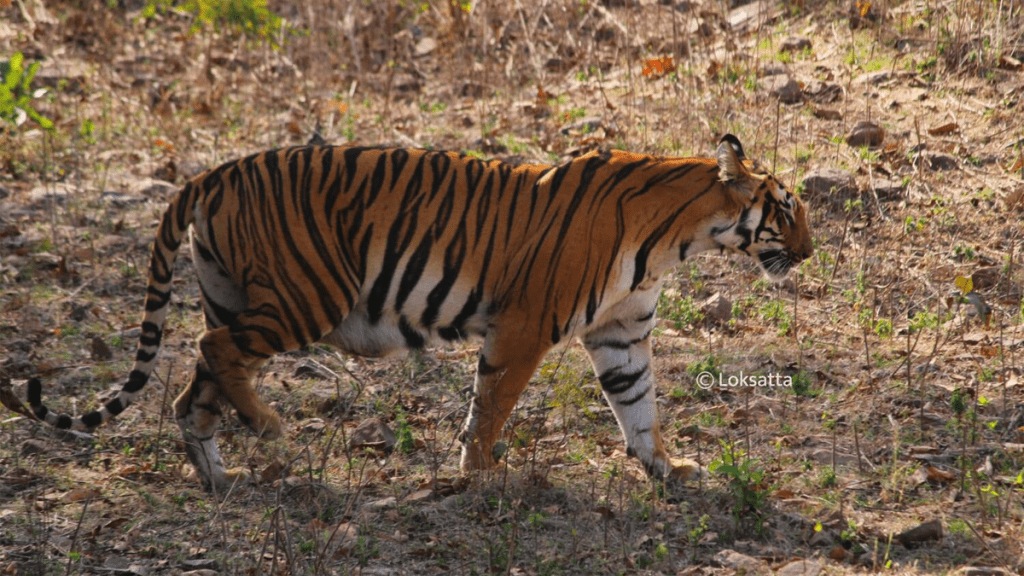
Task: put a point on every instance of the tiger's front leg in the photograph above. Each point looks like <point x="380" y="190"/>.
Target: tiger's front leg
<point x="621" y="354"/>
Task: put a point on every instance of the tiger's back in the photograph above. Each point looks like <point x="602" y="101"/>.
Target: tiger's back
<point x="376" y="250"/>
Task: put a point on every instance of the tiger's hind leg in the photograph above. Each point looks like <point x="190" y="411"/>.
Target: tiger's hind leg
<point x="230" y="359"/>
<point x="503" y="371"/>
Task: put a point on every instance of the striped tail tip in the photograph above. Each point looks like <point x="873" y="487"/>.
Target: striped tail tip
<point x="34" y="395"/>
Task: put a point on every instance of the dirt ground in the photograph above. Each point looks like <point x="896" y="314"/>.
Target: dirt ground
<point x="894" y="441"/>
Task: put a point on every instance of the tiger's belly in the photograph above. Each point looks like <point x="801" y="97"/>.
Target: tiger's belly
<point x="396" y="332"/>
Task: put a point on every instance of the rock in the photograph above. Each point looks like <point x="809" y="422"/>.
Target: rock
<point x="119" y="199"/>
<point x="99" y="349"/>
<point x="874" y="78"/>
<point x="866" y="133"/>
<point x="782" y="87"/>
<point x="927" y="531"/>
<point x="31" y="446"/>
<point x="822" y="539"/>
<point x="740" y="562"/>
<point x="808" y="567"/>
<point x="197" y="564"/>
<point x="888" y="189"/>
<point x="153" y="188"/>
<point x="795" y="44"/>
<point x="717" y="309"/>
<point x="823" y="92"/>
<point x="941" y="162"/>
<point x="378" y="505"/>
<point x="829" y="182"/>
<point x="982" y="571"/>
<point x="827" y="113"/>
<point x="309" y="368"/>
<point x="1014" y="200"/>
<point x="425" y="46"/>
<point x="58" y="192"/>
<point x="372" y="433"/>
<point x="344" y="539"/>
<point x="986" y="277"/>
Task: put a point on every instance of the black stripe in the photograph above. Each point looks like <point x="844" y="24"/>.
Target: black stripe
<point x="156" y="299"/>
<point x="483" y="368"/>
<point x="414" y="269"/>
<point x="413" y="339"/>
<point x="616" y="382"/>
<point x="136" y="380"/>
<point x="454" y="255"/>
<point x="634" y="399"/>
<point x="34" y="392"/>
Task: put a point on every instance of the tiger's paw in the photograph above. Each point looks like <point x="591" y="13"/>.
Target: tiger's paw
<point x="684" y="470"/>
<point x="222" y="480"/>
<point x="474" y="457"/>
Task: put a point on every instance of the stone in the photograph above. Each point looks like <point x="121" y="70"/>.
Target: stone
<point x="741" y="563"/>
<point x="887" y="189"/>
<point x="874" y="78"/>
<point x="782" y="87"/>
<point x="829" y="181"/>
<point x="805" y="567"/>
<point x="372" y="433"/>
<point x="866" y="133"/>
<point x="717" y="309"/>
<point x="941" y="162"/>
<point x="924" y="532"/>
<point x="795" y="44"/>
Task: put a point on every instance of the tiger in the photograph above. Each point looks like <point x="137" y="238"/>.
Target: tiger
<point x="376" y="250"/>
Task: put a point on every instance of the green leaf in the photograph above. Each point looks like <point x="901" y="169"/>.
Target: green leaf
<point x="12" y="74"/>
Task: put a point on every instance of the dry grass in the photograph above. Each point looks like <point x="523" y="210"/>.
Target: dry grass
<point x="903" y="410"/>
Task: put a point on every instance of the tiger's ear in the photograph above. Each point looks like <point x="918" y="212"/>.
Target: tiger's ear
<point x="730" y="158"/>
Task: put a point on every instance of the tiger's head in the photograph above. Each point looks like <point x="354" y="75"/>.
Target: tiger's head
<point x="772" y="224"/>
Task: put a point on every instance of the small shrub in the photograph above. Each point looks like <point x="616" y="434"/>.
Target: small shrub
<point x="16" y="93"/>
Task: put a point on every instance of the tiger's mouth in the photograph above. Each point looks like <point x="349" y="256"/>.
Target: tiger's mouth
<point x="776" y="263"/>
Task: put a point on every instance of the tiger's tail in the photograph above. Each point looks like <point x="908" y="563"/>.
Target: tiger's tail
<point x="176" y="220"/>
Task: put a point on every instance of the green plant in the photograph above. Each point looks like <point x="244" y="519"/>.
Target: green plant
<point x="708" y="364"/>
<point x="404" y="442"/>
<point x="249" y="17"/>
<point x="912" y="224"/>
<point x="16" y="93"/>
<point x="802" y="385"/>
<point x="883" y="328"/>
<point x="774" y="311"/>
<point x="748" y="482"/>
<point x="961" y="252"/>
<point x="683" y="313"/>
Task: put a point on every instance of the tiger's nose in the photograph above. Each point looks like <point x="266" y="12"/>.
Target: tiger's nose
<point x="805" y="251"/>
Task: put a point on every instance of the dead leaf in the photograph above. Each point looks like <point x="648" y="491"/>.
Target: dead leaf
<point x="943" y="129"/>
<point x="938" y="475"/>
<point x="1007" y="62"/>
<point x="79" y="494"/>
<point x="658" y="67"/>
